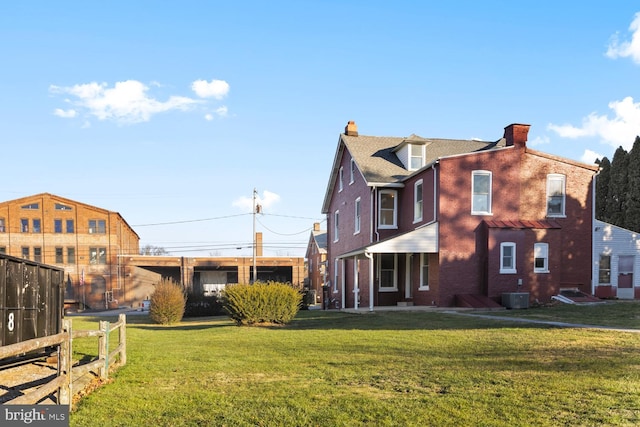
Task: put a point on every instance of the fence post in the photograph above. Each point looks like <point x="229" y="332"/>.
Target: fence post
<point x="103" y="348"/>
<point x="123" y="339"/>
<point x="65" y="364"/>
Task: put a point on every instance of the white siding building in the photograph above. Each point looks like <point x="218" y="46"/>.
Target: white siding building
<point x="616" y="262"/>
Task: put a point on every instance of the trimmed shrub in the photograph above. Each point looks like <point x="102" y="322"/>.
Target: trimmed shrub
<point x="265" y="303"/>
<point x="167" y="303"/>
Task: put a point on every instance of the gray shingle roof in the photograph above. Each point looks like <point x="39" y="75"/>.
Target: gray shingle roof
<point x="376" y="158"/>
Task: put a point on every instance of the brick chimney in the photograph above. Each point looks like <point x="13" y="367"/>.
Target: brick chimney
<point x="516" y="134"/>
<point x="351" y="129"/>
<point x="316" y="226"/>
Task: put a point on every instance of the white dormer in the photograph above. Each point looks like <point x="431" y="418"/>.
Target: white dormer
<point x="412" y="152"/>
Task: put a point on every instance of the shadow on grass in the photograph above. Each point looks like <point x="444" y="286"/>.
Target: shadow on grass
<point x="393" y="320"/>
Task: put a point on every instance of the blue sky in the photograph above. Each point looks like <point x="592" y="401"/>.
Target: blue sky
<point x="171" y="113"/>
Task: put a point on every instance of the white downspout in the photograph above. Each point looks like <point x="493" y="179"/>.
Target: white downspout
<point x="435" y="186"/>
<point x="593" y="237"/>
<point x="356" y="284"/>
<point x="371" y="214"/>
<point x="369" y="255"/>
<point x="342" y="276"/>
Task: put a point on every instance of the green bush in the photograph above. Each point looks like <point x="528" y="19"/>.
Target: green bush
<point x="270" y="302"/>
<point x="167" y="303"/>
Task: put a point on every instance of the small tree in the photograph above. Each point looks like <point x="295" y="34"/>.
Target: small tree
<point x="167" y="303"/>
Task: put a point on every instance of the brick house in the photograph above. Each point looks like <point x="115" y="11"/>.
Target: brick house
<point x="85" y="240"/>
<point x="316" y="256"/>
<point x="428" y="221"/>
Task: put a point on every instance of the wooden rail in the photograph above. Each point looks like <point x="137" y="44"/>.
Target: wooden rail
<point x="63" y="381"/>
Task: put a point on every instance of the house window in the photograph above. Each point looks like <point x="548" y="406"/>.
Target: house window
<point x="36" y="225"/>
<point x="71" y="255"/>
<point x="352" y="173"/>
<point x="416" y="156"/>
<point x="3" y="249"/>
<point x="387" y="272"/>
<point x="31" y="206"/>
<point x="336" y="226"/>
<point x="61" y="207"/>
<point x="481" y="197"/>
<point x="424" y="272"/>
<point x="70" y="227"/>
<point x="24" y="225"/>
<point x="2" y="229"/>
<point x="97" y="226"/>
<point x="340" y="177"/>
<point x="508" y="258"/>
<point x="604" y="269"/>
<point x="59" y="259"/>
<point x="555" y="195"/>
<point x="388" y="207"/>
<point x="336" y="265"/>
<point x="541" y="258"/>
<point x="25" y="252"/>
<point x="97" y="255"/>
<point x="37" y="254"/>
<point x="357" y="216"/>
<point x="417" y="201"/>
<point x="57" y="226"/>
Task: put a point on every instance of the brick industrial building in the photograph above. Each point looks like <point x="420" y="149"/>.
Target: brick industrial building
<point x="99" y="252"/>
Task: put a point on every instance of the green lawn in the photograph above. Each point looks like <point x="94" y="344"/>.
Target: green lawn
<point x="376" y="369"/>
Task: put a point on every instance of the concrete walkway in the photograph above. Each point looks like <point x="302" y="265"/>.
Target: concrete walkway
<point x="543" y="322"/>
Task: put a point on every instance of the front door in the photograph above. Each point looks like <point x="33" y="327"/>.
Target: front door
<point x="625" y="276"/>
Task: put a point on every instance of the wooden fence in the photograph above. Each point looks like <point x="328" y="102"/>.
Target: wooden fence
<point x="63" y="381"/>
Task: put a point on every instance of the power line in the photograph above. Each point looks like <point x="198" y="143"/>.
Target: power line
<point x="190" y="220"/>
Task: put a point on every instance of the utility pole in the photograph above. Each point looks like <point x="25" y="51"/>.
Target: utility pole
<point x="255" y="209"/>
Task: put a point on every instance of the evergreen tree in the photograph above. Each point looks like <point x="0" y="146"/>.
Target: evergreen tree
<point x="602" y="188"/>
<point x="632" y="202"/>
<point x="614" y="209"/>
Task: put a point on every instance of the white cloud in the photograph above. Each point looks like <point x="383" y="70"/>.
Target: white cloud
<point x="539" y="140"/>
<point x="217" y="89"/>
<point x="590" y="156"/>
<point x="208" y="117"/>
<point x="267" y="200"/>
<point x="627" y="49"/>
<point x="620" y="130"/>
<point x="222" y="111"/>
<point x="65" y="114"/>
<point x="127" y="102"/>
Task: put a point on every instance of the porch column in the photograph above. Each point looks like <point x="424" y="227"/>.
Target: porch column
<point x="370" y="258"/>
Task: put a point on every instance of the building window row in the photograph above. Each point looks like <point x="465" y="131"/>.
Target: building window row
<point x="26" y="251"/>
<point x="481" y="190"/>
<point x="508" y="258"/>
<point x="34" y="225"/>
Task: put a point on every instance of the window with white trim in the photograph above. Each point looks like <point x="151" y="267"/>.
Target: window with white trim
<point x="508" y="258"/>
<point x="336" y="226"/>
<point x="352" y="172"/>
<point x="556" y="194"/>
<point x="424" y="272"/>
<point x="357" y="216"/>
<point x="417" y="201"/>
<point x="387" y="208"/>
<point x="604" y="269"/>
<point x="336" y="266"/>
<point x="541" y="258"/>
<point x="387" y="267"/>
<point x="481" y="192"/>
<point x="416" y="156"/>
<point x="340" y="178"/>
